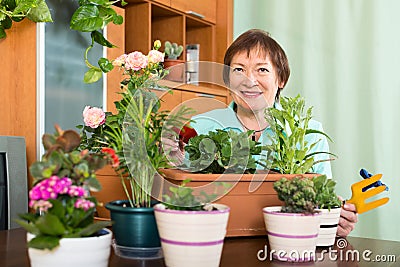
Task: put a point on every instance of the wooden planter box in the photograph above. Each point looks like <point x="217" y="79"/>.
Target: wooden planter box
<point x="246" y="217"/>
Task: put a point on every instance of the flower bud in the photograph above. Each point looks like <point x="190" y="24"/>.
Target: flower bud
<point x="157" y="44"/>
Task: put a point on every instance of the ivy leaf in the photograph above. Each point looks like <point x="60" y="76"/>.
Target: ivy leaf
<point x="2" y="32"/>
<point x="41" y="13"/>
<point x="86" y="19"/>
<point x="118" y="19"/>
<point x="99" y="38"/>
<point x="23" y="6"/>
<point x="105" y="65"/>
<point x="92" y="75"/>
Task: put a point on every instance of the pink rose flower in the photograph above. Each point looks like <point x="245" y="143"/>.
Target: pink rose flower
<point x="136" y="61"/>
<point x="155" y="56"/>
<point x="120" y="61"/>
<point x="93" y="117"/>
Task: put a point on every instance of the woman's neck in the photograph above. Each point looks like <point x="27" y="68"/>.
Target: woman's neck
<point x="250" y="120"/>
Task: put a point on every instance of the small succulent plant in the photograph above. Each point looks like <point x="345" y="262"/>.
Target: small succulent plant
<point x="325" y="189"/>
<point x="173" y="50"/>
<point x="298" y="195"/>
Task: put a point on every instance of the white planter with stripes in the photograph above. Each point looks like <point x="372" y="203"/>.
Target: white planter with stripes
<point x="192" y="238"/>
<point x="291" y="236"/>
<point x="328" y="227"/>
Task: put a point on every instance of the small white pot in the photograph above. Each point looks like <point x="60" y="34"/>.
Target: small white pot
<point x="328" y="226"/>
<point x="291" y="236"/>
<point x="82" y="251"/>
<point x="192" y="238"/>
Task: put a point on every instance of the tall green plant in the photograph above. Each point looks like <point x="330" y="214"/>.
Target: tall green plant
<point x="16" y="10"/>
<point x="289" y="152"/>
<point x="92" y="16"/>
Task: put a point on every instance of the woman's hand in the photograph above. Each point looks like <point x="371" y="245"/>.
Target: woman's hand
<point x="348" y="219"/>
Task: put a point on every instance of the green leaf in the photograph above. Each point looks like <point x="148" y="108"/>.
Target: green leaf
<point x="44" y="242"/>
<point x="30" y="227"/>
<point x="41" y="13"/>
<point x="50" y="224"/>
<point x="118" y="20"/>
<point x="6" y="23"/>
<point x="105" y="65"/>
<point x="92" y="75"/>
<point x="23" y="6"/>
<point x="99" y="38"/>
<point x="92" y="228"/>
<point x="86" y="19"/>
<point x="2" y="32"/>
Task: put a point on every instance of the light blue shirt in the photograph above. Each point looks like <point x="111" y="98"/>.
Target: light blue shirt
<point x="226" y="119"/>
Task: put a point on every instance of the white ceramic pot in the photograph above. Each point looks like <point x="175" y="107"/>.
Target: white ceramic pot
<point x="328" y="226"/>
<point x="192" y="238"/>
<point x="83" y="251"/>
<point x="291" y="236"/>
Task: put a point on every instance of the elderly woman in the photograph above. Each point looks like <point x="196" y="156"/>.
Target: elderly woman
<point x="256" y="71"/>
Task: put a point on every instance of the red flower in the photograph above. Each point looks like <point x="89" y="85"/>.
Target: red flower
<point x="113" y="156"/>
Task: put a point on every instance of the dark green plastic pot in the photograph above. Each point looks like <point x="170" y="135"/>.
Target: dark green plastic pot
<point x="133" y="227"/>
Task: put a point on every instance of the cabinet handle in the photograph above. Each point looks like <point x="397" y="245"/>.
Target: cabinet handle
<point x="190" y="12"/>
<point x="205" y="95"/>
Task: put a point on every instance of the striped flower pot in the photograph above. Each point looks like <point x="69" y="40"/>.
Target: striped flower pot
<point x="192" y="238"/>
<point x="328" y="227"/>
<point x="291" y="236"/>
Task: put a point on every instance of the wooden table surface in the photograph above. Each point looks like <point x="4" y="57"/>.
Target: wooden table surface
<point x="238" y="251"/>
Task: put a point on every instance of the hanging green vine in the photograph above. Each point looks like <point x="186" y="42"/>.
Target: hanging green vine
<point x="16" y="10"/>
<point x="92" y="16"/>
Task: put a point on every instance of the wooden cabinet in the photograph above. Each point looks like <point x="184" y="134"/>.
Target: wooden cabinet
<point x="204" y="9"/>
<point x="179" y="21"/>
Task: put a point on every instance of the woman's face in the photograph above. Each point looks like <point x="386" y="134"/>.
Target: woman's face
<point x="253" y="81"/>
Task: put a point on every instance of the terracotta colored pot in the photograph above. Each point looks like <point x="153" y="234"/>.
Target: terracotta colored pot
<point x="249" y="195"/>
<point x="176" y="69"/>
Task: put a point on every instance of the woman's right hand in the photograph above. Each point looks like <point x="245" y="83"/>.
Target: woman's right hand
<point x="174" y="148"/>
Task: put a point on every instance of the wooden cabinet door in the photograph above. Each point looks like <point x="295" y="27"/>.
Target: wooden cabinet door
<point x="169" y="100"/>
<point x="205" y="9"/>
<point x="201" y="102"/>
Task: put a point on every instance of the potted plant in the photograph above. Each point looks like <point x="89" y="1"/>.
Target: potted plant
<point x="63" y="232"/>
<point x="135" y="133"/>
<point x="289" y="151"/>
<point x="175" y="66"/>
<point x="293" y="228"/>
<point x="329" y="204"/>
<point x="192" y="230"/>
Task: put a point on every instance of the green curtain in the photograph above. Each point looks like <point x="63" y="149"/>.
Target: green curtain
<point x="345" y="59"/>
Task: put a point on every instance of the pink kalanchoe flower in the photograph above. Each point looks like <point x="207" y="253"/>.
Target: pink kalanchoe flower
<point x="155" y="56"/>
<point x="136" y="61"/>
<point x="84" y="204"/>
<point x="93" y="117"/>
<point x="76" y="191"/>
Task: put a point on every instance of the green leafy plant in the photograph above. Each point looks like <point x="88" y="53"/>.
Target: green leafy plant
<point x="298" y="195"/>
<point x="92" y="16"/>
<point x="16" y="10"/>
<point x="223" y="151"/>
<point x="173" y="50"/>
<point x="60" y="194"/>
<point x="183" y="197"/>
<point x="325" y="193"/>
<point x="135" y="131"/>
<point x="289" y="152"/>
